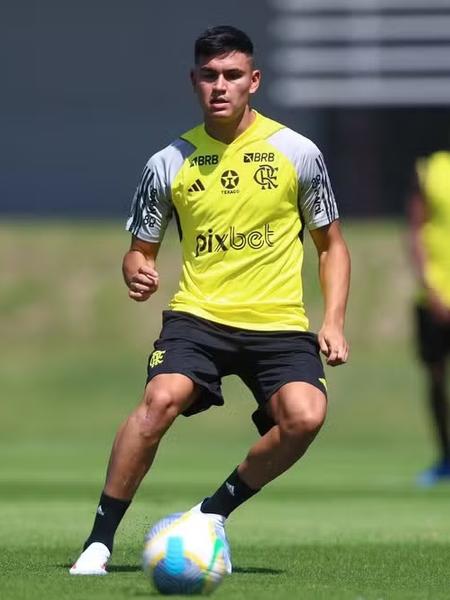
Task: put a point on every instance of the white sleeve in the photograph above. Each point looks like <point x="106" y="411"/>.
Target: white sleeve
<point x="316" y="199"/>
<point x="151" y="208"/>
<point x="316" y="202"/>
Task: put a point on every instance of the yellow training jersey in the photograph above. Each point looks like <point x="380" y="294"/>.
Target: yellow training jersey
<point x="434" y="180"/>
<point x="241" y="209"/>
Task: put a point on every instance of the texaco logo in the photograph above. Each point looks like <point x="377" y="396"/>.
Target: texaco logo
<point x="266" y="177"/>
<point x="229" y="180"/>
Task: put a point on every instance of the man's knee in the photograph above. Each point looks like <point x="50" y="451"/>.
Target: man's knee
<point x="302" y="423"/>
<point x="301" y="415"/>
<point x="160" y="407"/>
<point x="163" y="402"/>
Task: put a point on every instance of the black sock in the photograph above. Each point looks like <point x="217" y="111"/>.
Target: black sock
<point x="232" y="493"/>
<point x="438" y="401"/>
<point x="107" y="519"/>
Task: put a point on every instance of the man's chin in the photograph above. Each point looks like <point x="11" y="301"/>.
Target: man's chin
<point x="220" y="115"/>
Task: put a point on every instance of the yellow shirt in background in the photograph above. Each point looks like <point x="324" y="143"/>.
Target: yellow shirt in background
<point x="434" y="180"/>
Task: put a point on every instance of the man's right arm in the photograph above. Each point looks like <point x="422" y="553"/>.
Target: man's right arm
<point x="139" y="271"/>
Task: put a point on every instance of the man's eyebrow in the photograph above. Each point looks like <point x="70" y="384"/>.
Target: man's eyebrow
<point x="229" y="70"/>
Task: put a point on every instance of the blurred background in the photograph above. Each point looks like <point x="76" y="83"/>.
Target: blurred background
<point x="89" y="91"/>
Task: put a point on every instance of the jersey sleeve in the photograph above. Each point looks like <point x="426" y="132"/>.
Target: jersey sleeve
<point x="316" y="198"/>
<point x="151" y="208"/>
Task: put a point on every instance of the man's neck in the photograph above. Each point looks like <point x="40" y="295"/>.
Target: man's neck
<point x="227" y="132"/>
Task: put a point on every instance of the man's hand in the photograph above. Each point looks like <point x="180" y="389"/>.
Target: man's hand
<point x="333" y="345"/>
<point x="143" y="284"/>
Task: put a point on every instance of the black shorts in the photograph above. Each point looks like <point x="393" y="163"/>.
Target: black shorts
<point x="206" y="351"/>
<point x="433" y="337"/>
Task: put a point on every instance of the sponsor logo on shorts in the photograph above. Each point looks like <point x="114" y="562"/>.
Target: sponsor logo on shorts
<point x="323" y="381"/>
<point x="233" y="240"/>
<point x="156" y="358"/>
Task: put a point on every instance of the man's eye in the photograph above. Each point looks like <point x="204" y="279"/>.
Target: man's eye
<point x="234" y="75"/>
<point x="209" y="76"/>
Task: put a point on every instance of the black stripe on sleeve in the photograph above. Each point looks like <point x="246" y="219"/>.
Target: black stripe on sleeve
<point x="136" y="212"/>
<point x="323" y="178"/>
<point x="141" y="200"/>
<point x="327" y="185"/>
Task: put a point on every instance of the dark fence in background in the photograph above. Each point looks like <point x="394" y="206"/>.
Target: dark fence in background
<point x="92" y="88"/>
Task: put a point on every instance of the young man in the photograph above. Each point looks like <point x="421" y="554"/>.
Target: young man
<point x="242" y="188"/>
<point x="429" y="213"/>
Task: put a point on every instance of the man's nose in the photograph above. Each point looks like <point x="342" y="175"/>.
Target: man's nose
<point x="220" y="82"/>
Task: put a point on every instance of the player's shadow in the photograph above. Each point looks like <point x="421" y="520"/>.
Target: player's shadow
<point x="135" y="568"/>
<point x="112" y="568"/>
<point x="259" y="570"/>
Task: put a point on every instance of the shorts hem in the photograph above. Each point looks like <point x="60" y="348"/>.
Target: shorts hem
<point x="216" y="399"/>
<point x="293" y="380"/>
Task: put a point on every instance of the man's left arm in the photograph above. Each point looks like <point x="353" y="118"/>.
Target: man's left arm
<point x="334" y="272"/>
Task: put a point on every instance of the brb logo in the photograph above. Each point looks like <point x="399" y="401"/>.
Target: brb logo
<point x="232" y="239"/>
<point x="266" y="177"/>
<point x="205" y="160"/>
<point x="259" y="157"/>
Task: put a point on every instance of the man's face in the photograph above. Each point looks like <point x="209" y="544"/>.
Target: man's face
<point x="224" y="83"/>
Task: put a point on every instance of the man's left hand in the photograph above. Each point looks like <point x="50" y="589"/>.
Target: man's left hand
<point x="333" y="345"/>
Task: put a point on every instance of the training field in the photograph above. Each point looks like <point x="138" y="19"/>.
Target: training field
<point x="346" y="523"/>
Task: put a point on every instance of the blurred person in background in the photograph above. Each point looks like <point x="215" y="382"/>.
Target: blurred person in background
<point x="429" y="218"/>
<point x="243" y="188"/>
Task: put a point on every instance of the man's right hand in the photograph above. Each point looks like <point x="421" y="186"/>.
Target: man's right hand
<point x="143" y="284"/>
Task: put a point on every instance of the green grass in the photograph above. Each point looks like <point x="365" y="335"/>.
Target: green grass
<point x="346" y="523"/>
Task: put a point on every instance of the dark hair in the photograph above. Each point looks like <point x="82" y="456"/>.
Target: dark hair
<point x="220" y="40"/>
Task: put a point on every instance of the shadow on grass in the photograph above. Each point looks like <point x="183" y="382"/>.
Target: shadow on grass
<point x="259" y="570"/>
<point x="111" y="569"/>
<point x="124" y="568"/>
<point x="136" y="568"/>
<point x="236" y="571"/>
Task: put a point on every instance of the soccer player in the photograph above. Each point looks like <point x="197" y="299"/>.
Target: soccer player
<point x="429" y="212"/>
<point x="242" y="188"/>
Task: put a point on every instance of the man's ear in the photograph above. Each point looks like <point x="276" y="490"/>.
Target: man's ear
<point x="256" y="80"/>
<point x="193" y="78"/>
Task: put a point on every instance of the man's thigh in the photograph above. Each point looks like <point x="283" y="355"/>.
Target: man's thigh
<point x="172" y="389"/>
<point x="282" y="359"/>
<point x="188" y="348"/>
<point x="298" y="401"/>
<point x="275" y="361"/>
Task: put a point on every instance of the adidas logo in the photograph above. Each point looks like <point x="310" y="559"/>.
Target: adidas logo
<point x="230" y="488"/>
<point x="197" y="186"/>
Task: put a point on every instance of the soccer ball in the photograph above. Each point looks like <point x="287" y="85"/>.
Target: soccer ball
<point x="183" y="555"/>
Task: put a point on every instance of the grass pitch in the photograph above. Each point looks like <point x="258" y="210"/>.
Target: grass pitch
<point x="346" y="523"/>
